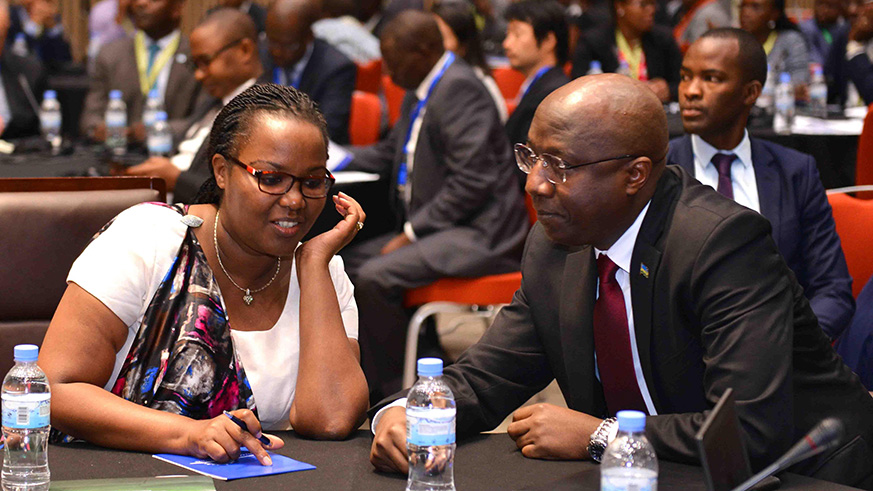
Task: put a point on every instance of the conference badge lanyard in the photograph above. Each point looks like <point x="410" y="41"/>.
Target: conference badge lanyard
<point x="525" y="87"/>
<point x="770" y="42"/>
<point x="280" y="78"/>
<point x="634" y="56"/>
<point x="402" y="172"/>
<point x="148" y="78"/>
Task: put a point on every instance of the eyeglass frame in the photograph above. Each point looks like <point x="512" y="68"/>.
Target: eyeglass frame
<point x="561" y="163"/>
<point x="203" y="64"/>
<point x="257" y="173"/>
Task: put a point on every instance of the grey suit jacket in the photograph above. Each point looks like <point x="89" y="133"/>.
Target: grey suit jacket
<point x="466" y="209"/>
<point x="115" y="69"/>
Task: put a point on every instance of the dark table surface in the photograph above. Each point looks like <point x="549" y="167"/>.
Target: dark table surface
<point x="484" y="462"/>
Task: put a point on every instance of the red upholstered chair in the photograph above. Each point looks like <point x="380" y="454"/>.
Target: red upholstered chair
<point x="864" y="161"/>
<point x="479" y="297"/>
<point x="369" y="77"/>
<point x="854" y="221"/>
<point x="508" y="80"/>
<point x="365" y="118"/>
<point x="394" y="97"/>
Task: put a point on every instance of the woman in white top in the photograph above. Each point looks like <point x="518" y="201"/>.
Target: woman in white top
<point x="460" y="35"/>
<point x="175" y="315"/>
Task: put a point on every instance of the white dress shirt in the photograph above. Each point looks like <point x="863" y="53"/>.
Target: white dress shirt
<point x="745" y="185"/>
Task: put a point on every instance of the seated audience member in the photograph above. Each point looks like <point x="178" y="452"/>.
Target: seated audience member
<point x="784" y="44"/>
<point x="453" y="190"/>
<point x="340" y="27"/>
<point x="40" y="23"/>
<point x="698" y="16"/>
<point x="722" y="76"/>
<point x="536" y="45"/>
<point x="461" y="36"/>
<point x="650" y="52"/>
<point x="296" y="58"/>
<point x="155" y="58"/>
<point x="713" y="306"/>
<point x="821" y="30"/>
<point x="255" y="11"/>
<point x="21" y="82"/>
<point x="856" y="344"/>
<point x="851" y="57"/>
<point x="264" y="327"/>
<point x="391" y="8"/>
<point x="224" y="50"/>
<point x="108" y="20"/>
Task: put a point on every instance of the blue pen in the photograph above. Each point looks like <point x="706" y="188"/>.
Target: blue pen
<point x="242" y="424"/>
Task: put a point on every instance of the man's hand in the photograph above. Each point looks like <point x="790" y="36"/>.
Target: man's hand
<point x="546" y="431"/>
<point x="660" y="88"/>
<point x="388" y="453"/>
<point x="158" y="167"/>
<point x="401" y="240"/>
<point x="137" y="131"/>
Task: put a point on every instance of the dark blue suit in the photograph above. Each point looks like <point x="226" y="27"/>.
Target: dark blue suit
<point x="791" y="196"/>
<point x="856" y="344"/>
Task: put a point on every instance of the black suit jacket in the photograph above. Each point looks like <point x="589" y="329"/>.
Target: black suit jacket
<point x="466" y="208"/>
<point x="189" y="181"/>
<point x="23" y="78"/>
<point x="719" y="308"/>
<point x="793" y="199"/>
<point x="518" y="123"/>
<point x="329" y="80"/>
<point x="663" y="58"/>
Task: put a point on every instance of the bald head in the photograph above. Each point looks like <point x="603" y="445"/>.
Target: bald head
<point x="230" y="24"/>
<point x="289" y="29"/>
<point x="415" y="30"/>
<point x="303" y="11"/>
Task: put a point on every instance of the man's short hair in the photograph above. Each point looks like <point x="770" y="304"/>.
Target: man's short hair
<point x="235" y="24"/>
<point x="751" y="57"/>
<point x="544" y="16"/>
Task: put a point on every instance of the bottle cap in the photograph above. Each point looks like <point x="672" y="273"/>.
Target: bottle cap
<point x="633" y="421"/>
<point x="20" y="36"/>
<point x="430" y="367"/>
<point x="153" y="94"/>
<point x="595" y="65"/>
<point x="160" y="116"/>
<point x="26" y="352"/>
<point x="115" y="94"/>
<point x="784" y="78"/>
<point x="50" y="94"/>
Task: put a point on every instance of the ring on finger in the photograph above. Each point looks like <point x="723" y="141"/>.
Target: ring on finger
<point x="359" y="226"/>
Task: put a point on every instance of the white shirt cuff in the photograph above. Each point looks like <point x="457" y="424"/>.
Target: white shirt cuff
<point x="410" y="234"/>
<point x="378" y="416"/>
<point x="853" y="49"/>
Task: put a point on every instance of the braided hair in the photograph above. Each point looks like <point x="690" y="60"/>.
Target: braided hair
<point x="233" y="125"/>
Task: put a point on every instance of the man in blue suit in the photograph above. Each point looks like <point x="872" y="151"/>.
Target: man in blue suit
<point x="721" y="77"/>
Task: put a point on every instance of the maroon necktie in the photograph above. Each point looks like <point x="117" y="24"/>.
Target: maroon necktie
<point x="722" y="162"/>
<point x="612" y="343"/>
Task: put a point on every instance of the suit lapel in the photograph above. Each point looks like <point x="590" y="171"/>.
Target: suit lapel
<point x="179" y="76"/>
<point x="767" y="181"/>
<point x="682" y="153"/>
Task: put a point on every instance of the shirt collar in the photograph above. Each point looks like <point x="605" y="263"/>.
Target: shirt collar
<point x="621" y="251"/>
<point x="245" y="7"/>
<point x="704" y="151"/>
<point x="239" y="90"/>
<point x="303" y="61"/>
<point x="424" y="86"/>
<point x="164" y="41"/>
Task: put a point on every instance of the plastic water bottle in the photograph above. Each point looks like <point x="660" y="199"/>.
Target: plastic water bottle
<point x="430" y="430"/>
<point x="783" y="119"/>
<point x="19" y="46"/>
<point x="594" y="68"/>
<point x="116" y="124"/>
<point x="152" y="107"/>
<point x="765" y="100"/>
<point x="623" y="68"/>
<point x="160" y="138"/>
<point x="26" y="400"/>
<point x="629" y="461"/>
<point x="50" y="119"/>
<point x="818" y="93"/>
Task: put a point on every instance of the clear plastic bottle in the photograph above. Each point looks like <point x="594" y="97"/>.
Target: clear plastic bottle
<point x="783" y="119"/>
<point x="160" y="138"/>
<point x="430" y="430"/>
<point x="26" y="400"/>
<point x="623" y="68"/>
<point x="50" y="119"/>
<point x="629" y="461"/>
<point x="818" y="93"/>
<point x="594" y="68"/>
<point x="116" y="124"/>
<point x="765" y="100"/>
<point x="152" y="108"/>
<point x="19" y="46"/>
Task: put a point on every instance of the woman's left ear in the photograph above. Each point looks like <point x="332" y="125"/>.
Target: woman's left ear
<point x="219" y="169"/>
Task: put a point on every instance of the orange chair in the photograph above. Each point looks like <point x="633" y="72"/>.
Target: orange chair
<point x="508" y="80"/>
<point x="394" y="95"/>
<point x="864" y="161"/>
<point x="370" y="77"/>
<point x="854" y="221"/>
<point x="480" y="297"/>
<point x="365" y="118"/>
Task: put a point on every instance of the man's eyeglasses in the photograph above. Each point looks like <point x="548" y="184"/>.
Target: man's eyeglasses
<point x="278" y="183"/>
<point x="203" y="62"/>
<point x="555" y="168"/>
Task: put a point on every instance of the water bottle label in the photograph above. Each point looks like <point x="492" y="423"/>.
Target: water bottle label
<point x="116" y="120"/>
<point x="26" y="412"/>
<point x="160" y="145"/>
<point x="50" y="120"/>
<point x="426" y="427"/>
<point x="639" y="480"/>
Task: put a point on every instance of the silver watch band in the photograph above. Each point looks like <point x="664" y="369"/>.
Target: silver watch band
<point x="600" y="438"/>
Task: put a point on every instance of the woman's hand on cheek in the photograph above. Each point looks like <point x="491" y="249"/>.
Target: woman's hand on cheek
<point x="326" y="245"/>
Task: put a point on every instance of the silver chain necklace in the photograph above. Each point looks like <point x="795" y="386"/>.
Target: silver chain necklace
<point x="247" y="298"/>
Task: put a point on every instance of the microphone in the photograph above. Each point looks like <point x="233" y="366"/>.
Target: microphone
<point x="825" y="436"/>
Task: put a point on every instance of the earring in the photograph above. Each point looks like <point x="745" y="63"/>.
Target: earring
<point x="621" y="12"/>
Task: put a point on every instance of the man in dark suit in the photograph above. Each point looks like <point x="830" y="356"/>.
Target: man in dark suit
<point x="642" y="288"/>
<point x="155" y="58"/>
<point x="451" y="170"/>
<point x="722" y="75"/>
<point x="224" y="48"/>
<point x="294" y="57"/>
<point x="39" y="22"/>
<point x="536" y="45"/>
<point x="21" y="82"/>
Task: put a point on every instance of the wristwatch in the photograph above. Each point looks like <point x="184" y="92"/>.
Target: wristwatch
<point x="601" y="437"/>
